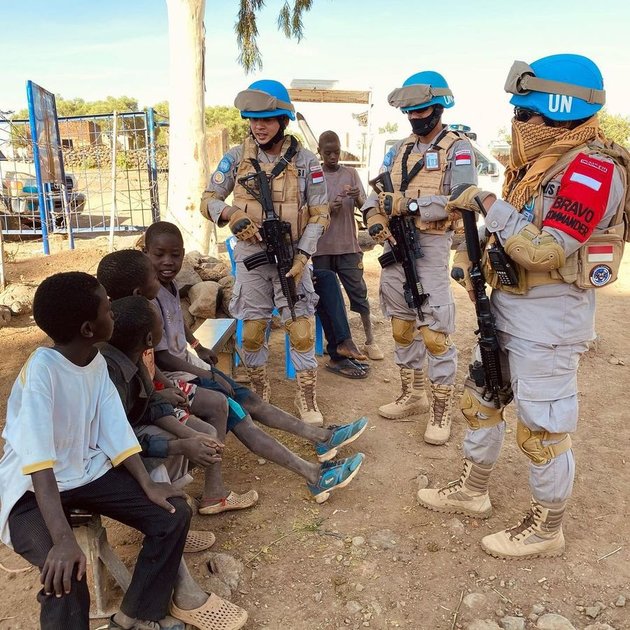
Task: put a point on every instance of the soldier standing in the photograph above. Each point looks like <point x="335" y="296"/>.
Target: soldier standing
<point x="561" y="222"/>
<point x="299" y="196"/>
<point x="424" y="168"/>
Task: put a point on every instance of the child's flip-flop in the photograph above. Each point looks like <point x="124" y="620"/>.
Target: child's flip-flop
<point x="233" y="501"/>
<point x="347" y="369"/>
<point x="198" y="541"/>
<point x="214" y="614"/>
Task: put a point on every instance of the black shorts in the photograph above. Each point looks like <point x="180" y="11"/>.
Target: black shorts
<point x="349" y="268"/>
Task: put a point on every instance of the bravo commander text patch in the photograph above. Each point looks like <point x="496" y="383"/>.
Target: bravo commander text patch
<point x="582" y="197"/>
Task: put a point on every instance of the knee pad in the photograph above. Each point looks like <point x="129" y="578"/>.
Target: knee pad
<point x="478" y="414"/>
<point x="437" y="343"/>
<point x="531" y="443"/>
<point x="301" y="333"/>
<point x="254" y="334"/>
<point x="403" y="331"/>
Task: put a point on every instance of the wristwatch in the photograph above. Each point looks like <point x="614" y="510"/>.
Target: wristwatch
<point x="412" y="207"/>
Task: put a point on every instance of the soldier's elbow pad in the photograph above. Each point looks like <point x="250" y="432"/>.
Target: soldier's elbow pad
<point x="535" y="250"/>
<point x="319" y="215"/>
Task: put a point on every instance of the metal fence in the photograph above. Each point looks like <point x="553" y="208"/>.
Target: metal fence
<point x="116" y="169"/>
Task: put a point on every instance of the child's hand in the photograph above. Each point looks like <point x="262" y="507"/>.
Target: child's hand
<point x="159" y="493"/>
<point x="205" y="354"/>
<point x="174" y="396"/>
<point x="336" y="204"/>
<point x="229" y="390"/>
<point x="197" y="450"/>
<point x="353" y="191"/>
<point x="57" y="571"/>
<point x="211" y="442"/>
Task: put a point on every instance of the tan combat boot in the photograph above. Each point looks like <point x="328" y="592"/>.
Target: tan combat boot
<point x="413" y="398"/>
<point x="538" y="535"/>
<point x="439" y="425"/>
<point x="468" y="495"/>
<point x="259" y="381"/>
<point x="305" y="400"/>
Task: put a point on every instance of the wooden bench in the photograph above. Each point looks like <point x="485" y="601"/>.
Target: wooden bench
<point x="92" y="538"/>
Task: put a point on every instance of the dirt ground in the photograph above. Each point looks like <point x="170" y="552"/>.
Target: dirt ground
<point x="370" y="556"/>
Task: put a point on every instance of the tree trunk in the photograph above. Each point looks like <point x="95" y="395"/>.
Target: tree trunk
<point x="188" y="161"/>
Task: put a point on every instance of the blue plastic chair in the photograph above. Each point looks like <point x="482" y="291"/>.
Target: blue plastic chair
<point x="289" y="369"/>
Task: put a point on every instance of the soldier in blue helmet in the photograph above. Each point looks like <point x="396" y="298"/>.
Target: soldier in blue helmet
<point x="561" y="220"/>
<point x="425" y="167"/>
<point x="299" y="193"/>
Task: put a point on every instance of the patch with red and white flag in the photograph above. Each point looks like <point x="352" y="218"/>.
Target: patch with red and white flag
<point x="463" y="157"/>
<point x="599" y="253"/>
<point x="317" y="174"/>
<point x="582" y="197"/>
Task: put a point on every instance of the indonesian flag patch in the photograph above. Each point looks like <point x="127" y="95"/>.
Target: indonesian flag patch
<point x="463" y="157"/>
<point x="317" y="175"/>
<point x="599" y="253"/>
<point x="582" y="197"/>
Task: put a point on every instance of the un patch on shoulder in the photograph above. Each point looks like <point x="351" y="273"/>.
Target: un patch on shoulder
<point x="225" y="164"/>
<point x="388" y="160"/>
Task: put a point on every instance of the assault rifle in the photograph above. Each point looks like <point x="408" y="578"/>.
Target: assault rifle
<point x="405" y="251"/>
<point x="487" y="372"/>
<point x="276" y="235"/>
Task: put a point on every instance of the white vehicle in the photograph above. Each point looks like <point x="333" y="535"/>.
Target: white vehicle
<point x="490" y="171"/>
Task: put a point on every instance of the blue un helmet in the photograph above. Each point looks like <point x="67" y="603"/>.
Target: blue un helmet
<point x="421" y="90"/>
<point x="265" y="99"/>
<point x="560" y="87"/>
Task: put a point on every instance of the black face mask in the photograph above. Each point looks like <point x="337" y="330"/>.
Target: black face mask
<point x="424" y="126"/>
<point x="279" y="135"/>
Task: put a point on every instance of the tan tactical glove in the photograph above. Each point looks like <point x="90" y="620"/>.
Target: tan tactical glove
<point x="377" y="227"/>
<point x="242" y="226"/>
<point x="392" y="204"/>
<point x="297" y="269"/>
<point x="461" y="269"/>
<point x="463" y="198"/>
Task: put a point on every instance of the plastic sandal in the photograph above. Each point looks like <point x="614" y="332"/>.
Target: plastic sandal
<point x="215" y="614"/>
<point x="341" y="435"/>
<point x="335" y="475"/>
<point x="198" y="541"/>
<point x="233" y="501"/>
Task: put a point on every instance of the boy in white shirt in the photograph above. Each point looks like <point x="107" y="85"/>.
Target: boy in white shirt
<point x="68" y="446"/>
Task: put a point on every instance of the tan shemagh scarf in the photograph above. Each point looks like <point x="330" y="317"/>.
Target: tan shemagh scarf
<point x="537" y="148"/>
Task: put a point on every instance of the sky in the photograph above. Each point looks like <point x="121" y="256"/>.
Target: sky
<point x="81" y="48"/>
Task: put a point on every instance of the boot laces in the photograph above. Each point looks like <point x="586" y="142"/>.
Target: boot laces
<point x="527" y="525"/>
<point x="457" y="484"/>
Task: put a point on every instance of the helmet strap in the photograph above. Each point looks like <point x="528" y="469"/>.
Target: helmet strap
<point x="283" y="121"/>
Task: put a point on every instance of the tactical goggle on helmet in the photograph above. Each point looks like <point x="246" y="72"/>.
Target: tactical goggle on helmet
<point x="422" y="90"/>
<point x="265" y="99"/>
<point x="559" y="87"/>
